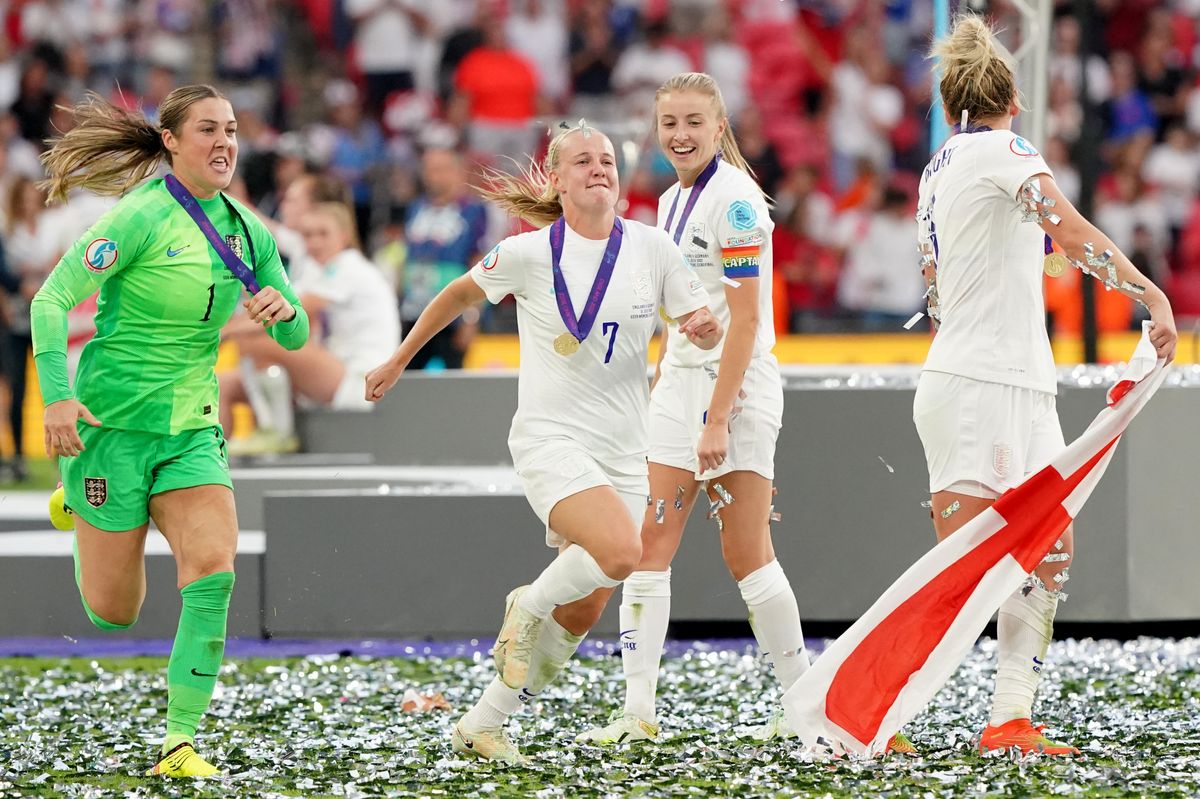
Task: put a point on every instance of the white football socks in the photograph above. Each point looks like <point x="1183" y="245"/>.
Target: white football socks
<point x="775" y="619"/>
<point x="645" y="612"/>
<point x="1024" y="628"/>
<point x="572" y="575"/>
<point x="551" y="653"/>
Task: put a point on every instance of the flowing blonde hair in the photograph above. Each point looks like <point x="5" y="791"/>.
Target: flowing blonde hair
<point x="529" y="194"/>
<point x="703" y="83"/>
<point x="111" y="150"/>
<point x="977" y="71"/>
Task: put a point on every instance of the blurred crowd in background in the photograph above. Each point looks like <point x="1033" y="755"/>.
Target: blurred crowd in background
<point x="402" y="101"/>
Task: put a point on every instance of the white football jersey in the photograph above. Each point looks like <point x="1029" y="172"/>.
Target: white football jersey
<point x="599" y="396"/>
<point x="989" y="261"/>
<point x="362" y="318"/>
<point x="728" y="234"/>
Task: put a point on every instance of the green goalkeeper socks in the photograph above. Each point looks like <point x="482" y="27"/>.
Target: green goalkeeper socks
<point x="196" y="655"/>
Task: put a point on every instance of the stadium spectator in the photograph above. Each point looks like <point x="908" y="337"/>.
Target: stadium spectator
<point x="1174" y="168"/>
<point x="809" y="271"/>
<point x="758" y="150"/>
<point x="537" y="30"/>
<point x="32" y="245"/>
<point x="1132" y="123"/>
<point x="386" y="43"/>
<point x="1128" y="205"/>
<point x="881" y="284"/>
<point x="593" y="49"/>
<point x="359" y="326"/>
<point x="645" y="65"/>
<point x="497" y="99"/>
<point x="727" y="61"/>
<point x="865" y="108"/>
<point x="446" y="229"/>
<point x="354" y="147"/>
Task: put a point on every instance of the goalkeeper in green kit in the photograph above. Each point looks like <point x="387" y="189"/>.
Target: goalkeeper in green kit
<point x="137" y="437"/>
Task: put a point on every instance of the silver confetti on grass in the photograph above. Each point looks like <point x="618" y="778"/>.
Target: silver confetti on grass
<point x="679" y="497"/>
<point x="1130" y="706"/>
<point x="660" y="510"/>
<point x="950" y="509"/>
<point x="725" y="496"/>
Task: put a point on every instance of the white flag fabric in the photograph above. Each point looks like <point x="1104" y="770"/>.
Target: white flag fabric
<point x="887" y="667"/>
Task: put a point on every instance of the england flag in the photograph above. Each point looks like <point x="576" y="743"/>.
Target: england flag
<point x="887" y="667"/>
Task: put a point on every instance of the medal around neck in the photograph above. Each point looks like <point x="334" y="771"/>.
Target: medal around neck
<point x="1055" y="264"/>
<point x="566" y="345"/>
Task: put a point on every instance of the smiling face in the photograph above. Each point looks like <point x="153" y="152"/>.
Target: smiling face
<point x="586" y="173"/>
<point x="204" y="147"/>
<point x="689" y="130"/>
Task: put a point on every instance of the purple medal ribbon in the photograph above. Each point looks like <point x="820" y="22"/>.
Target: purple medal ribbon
<point x="230" y="259"/>
<point x="697" y="187"/>
<point x="581" y="327"/>
<point x="1049" y="245"/>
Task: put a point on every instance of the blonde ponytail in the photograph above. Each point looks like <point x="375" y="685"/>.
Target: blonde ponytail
<point x="977" y="72"/>
<point x="529" y="194"/>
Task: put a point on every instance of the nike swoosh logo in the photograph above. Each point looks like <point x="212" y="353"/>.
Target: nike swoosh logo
<point x="1040" y="663"/>
<point x="172" y="253"/>
<point x="202" y="674"/>
<point x="624" y="633"/>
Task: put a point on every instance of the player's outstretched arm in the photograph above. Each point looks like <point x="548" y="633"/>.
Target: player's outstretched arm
<point x="447" y="306"/>
<point x="1085" y="244"/>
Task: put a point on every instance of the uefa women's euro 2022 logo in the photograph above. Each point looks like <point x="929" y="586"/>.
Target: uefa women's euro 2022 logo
<point x="741" y="215"/>
<point x="100" y="254"/>
<point x="1022" y="147"/>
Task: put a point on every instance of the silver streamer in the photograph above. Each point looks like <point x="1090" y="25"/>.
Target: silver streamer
<point x="886" y="465"/>
<point x="678" y="497"/>
<point x="1035" y="206"/>
<point x="1059" y="557"/>
<point x="660" y="510"/>
<point x="725" y="496"/>
<point x="950" y="509"/>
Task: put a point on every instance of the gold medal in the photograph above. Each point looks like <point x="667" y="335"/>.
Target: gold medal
<point x="566" y="344"/>
<point x="1055" y="264"/>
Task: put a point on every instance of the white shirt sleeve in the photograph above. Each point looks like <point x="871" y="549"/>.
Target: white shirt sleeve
<point x="501" y="272"/>
<point x="1009" y="161"/>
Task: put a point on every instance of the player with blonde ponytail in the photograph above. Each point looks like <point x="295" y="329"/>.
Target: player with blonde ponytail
<point x="989" y="209"/>
<point x="589" y="287"/>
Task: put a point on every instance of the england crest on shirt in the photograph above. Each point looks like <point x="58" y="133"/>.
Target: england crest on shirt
<point x="235" y="243"/>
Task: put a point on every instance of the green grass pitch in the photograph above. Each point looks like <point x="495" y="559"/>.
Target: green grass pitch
<point x="330" y="726"/>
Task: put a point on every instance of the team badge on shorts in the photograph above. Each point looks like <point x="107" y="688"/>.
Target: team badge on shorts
<point x="1002" y="459"/>
<point x="235" y="243"/>
<point x="95" y="490"/>
<point x="741" y="215"/>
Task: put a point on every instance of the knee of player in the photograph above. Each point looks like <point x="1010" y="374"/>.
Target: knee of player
<point x="112" y="615"/>
<point x="197" y="568"/>
<point x="621" y="557"/>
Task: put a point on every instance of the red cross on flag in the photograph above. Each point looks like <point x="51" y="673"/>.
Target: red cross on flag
<point x="884" y="670"/>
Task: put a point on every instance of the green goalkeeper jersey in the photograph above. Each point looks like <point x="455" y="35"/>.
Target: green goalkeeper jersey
<point x="165" y="294"/>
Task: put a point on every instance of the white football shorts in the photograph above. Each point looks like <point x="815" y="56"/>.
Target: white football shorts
<point x="554" y="469"/>
<point x="981" y="439"/>
<point x="679" y="407"/>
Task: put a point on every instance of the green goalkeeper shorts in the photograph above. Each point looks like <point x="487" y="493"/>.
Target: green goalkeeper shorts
<point x="110" y="483"/>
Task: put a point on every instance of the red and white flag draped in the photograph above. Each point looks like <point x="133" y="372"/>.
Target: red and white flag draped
<point x="884" y="669"/>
